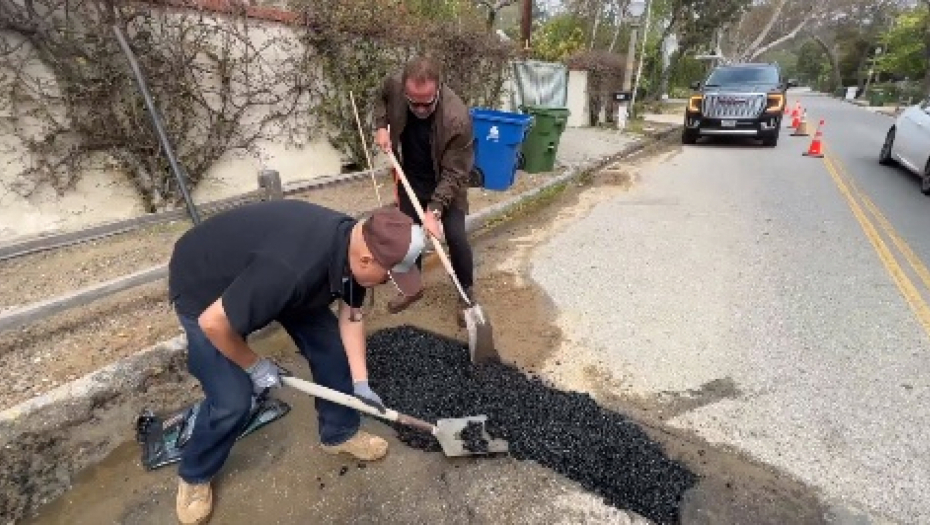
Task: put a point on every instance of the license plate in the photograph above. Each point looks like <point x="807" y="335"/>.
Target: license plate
<point x="728" y="123"/>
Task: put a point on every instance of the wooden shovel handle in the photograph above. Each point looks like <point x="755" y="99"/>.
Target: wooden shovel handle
<point x="416" y="205"/>
<point x="338" y="397"/>
<point x="352" y="402"/>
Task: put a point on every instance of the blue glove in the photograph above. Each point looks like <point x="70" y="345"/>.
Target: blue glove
<point x="366" y="395"/>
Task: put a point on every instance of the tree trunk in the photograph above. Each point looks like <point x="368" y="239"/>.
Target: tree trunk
<point x="665" y="72"/>
<point x="597" y="21"/>
<point x="834" y="62"/>
<point x="862" y="71"/>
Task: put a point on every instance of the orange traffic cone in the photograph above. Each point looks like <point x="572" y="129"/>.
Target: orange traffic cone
<point x="795" y="115"/>
<point x="796" y="121"/>
<point x="801" y="129"/>
<point x="816" y="148"/>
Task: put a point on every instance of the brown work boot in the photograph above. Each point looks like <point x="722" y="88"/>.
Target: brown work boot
<point x="194" y="503"/>
<point x="460" y="315"/>
<point x="400" y="302"/>
<point x="362" y="446"/>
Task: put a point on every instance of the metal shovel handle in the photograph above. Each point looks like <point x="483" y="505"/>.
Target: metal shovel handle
<point x="329" y="394"/>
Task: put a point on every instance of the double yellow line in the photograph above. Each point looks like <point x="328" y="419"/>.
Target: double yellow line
<point x="860" y="204"/>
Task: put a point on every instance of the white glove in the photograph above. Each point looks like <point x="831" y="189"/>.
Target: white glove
<point x="264" y="374"/>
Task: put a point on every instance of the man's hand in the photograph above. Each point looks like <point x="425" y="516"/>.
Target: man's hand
<point x="264" y="374"/>
<point x="432" y="224"/>
<point x="364" y="393"/>
<point x="383" y="139"/>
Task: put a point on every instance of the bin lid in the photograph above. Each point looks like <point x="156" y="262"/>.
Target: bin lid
<point x="546" y="110"/>
<point x="494" y="115"/>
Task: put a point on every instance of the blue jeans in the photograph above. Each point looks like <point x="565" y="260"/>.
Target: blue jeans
<point x="228" y="392"/>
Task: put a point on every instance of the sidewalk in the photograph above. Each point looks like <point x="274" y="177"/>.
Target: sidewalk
<point x="664" y="118"/>
<point x="578" y="145"/>
<point x="890" y="111"/>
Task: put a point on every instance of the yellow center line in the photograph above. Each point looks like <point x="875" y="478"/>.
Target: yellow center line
<point x="912" y="258"/>
<point x="897" y="273"/>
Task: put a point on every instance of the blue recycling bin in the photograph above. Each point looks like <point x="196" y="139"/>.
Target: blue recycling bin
<point x="498" y="137"/>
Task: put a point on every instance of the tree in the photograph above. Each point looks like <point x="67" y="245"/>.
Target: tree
<point x="558" y="38"/>
<point x="903" y="47"/>
<point x="845" y="30"/>
<point x="493" y="8"/>
<point x="697" y="21"/>
<point x="812" y="63"/>
<point x="779" y="20"/>
<point x="926" y="40"/>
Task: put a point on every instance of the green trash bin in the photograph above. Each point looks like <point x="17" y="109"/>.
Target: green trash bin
<point x="542" y="142"/>
<point x="876" y="98"/>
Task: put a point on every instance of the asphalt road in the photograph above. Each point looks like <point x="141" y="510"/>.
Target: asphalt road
<point x="768" y="301"/>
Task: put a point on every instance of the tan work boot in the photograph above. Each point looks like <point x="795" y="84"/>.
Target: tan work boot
<point x="362" y="446"/>
<point x="194" y="503"/>
<point x="400" y="302"/>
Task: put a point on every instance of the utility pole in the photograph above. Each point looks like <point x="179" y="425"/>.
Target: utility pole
<point x="526" y="26"/>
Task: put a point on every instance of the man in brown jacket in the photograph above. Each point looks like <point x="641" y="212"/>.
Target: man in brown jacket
<point x="418" y="114"/>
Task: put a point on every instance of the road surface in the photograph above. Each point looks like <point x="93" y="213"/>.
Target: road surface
<point x="768" y="301"/>
<point x="736" y="302"/>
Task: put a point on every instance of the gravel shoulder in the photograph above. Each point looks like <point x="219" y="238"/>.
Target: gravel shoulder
<point x="68" y="345"/>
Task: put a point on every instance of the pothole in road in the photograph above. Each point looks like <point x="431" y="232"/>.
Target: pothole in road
<point x="430" y="377"/>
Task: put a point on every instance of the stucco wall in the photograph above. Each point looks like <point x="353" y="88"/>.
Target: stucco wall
<point x="103" y="193"/>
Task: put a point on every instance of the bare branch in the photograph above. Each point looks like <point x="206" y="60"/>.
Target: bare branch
<point x="778" y="41"/>
<point x="757" y="43"/>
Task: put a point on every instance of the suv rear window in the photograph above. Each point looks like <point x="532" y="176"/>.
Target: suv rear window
<point x="741" y="75"/>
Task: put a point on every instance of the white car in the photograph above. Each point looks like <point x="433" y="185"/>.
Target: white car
<point x="908" y="143"/>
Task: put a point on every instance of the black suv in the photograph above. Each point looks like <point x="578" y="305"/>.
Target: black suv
<point x="745" y="100"/>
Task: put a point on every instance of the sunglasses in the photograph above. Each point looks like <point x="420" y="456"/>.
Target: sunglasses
<point x="425" y="105"/>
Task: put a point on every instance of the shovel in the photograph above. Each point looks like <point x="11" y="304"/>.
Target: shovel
<point x="480" y="333"/>
<point x="449" y="432"/>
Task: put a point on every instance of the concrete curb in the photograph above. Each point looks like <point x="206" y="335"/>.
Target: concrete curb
<point x="478" y="220"/>
<point x="48" y="439"/>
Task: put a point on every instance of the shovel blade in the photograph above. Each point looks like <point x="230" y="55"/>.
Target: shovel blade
<point x="467" y="436"/>
<point x="480" y="336"/>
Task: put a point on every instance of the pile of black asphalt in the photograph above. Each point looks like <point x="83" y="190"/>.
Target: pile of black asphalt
<point x="429" y="376"/>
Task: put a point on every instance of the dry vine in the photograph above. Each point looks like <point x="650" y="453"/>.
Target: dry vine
<point x="71" y="99"/>
<point x="222" y="82"/>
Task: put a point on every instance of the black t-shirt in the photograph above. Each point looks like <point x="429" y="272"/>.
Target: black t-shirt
<point x="274" y="260"/>
<point x="417" y="155"/>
